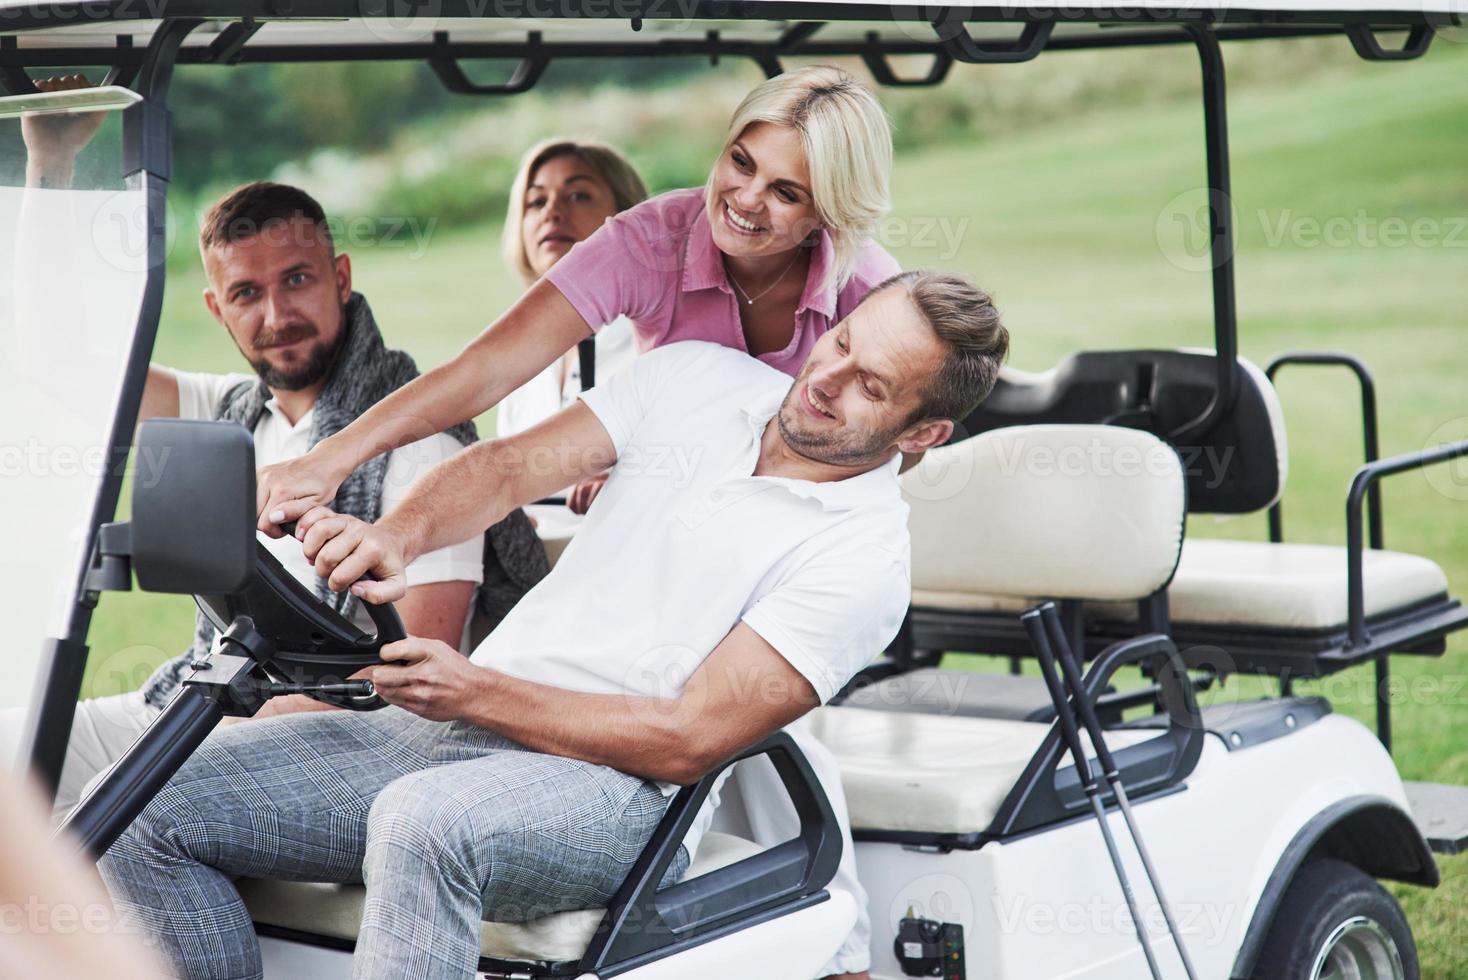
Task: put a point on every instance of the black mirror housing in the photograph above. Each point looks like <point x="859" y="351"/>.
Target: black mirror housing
<point x="193" y="521"/>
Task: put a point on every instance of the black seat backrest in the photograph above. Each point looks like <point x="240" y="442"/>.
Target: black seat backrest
<point x="1236" y="467"/>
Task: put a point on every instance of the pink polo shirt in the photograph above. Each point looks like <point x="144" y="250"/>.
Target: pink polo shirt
<point x="656" y="264"/>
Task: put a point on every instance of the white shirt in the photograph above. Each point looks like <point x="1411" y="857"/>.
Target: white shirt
<point x="276" y="440"/>
<point x="548" y="392"/>
<point x="684" y="542"/>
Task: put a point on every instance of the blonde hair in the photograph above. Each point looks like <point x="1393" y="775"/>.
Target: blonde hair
<point x="848" y="149"/>
<point x="614" y="169"/>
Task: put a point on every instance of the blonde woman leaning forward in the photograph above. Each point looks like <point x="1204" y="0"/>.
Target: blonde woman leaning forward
<point x="765" y="258"/>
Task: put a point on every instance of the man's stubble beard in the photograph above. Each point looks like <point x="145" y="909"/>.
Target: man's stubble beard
<point x="835" y="449"/>
<point x="318" y="364"/>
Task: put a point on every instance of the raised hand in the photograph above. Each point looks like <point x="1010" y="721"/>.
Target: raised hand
<point x="54" y="139"/>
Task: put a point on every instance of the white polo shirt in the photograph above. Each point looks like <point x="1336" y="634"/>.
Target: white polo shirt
<point x="276" y="440"/>
<point x="684" y="542"/>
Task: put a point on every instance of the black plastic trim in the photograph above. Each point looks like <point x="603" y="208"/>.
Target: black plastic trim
<point x="643" y="924"/>
<point x="1369" y="46"/>
<point x="882" y="71"/>
<point x="1370" y="832"/>
<point x="961" y="45"/>
<point x="1242" y="725"/>
<point x="533" y="63"/>
<point x="1046" y="793"/>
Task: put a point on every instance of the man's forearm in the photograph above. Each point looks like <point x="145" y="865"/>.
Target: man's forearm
<point x="454" y="501"/>
<point x="654" y="738"/>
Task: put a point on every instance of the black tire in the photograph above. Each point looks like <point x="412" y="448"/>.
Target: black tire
<point x="1323" y="898"/>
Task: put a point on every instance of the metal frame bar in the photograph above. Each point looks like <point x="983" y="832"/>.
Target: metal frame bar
<point x="1371" y="445"/>
<point x="797" y="42"/>
<point x="146" y="156"/>
<point x="1221" y="234"/>
<point x="1363" y="482"/>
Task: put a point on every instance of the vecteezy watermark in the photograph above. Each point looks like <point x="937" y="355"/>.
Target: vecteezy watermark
<point x="1187" y="229"/>
<point x="1362" y="229"/>
<point x="1202" y="922"/>
<point x="942" y="476"/>
<point x="1448" y="19"/>
<point x="62" y="13"/>
<point x="1450" y="477"/>
<point x="939" y="237"/>
<point x="120" y="232"/>
<point x="36" y="459"/>
<point x="36" y="916"/>
<point x="941" y="897"/>
<point x="1189" y="234"/>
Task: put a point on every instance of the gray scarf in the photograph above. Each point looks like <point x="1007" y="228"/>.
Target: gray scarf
<point x="367" y="371"/>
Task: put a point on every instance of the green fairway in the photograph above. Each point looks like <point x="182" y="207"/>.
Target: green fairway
<point x="1352" y="201"/>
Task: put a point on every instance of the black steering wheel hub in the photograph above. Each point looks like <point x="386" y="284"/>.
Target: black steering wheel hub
<point x="314" y="644"/>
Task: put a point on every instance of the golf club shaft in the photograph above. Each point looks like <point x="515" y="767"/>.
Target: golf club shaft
<point x="1035" y="626"/>
<point x="1075" y="680"/>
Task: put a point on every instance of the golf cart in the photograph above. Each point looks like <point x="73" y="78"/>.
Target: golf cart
<point x="973" y="824"/>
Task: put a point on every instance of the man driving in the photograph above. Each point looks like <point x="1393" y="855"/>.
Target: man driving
<point x="748" y="554"/>
<point x="283" y="294"/>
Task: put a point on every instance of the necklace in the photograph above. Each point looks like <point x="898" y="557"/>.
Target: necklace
<point x="748" y="299"/>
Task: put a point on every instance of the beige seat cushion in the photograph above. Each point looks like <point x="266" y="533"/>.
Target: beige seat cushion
<point x="1286" y="586"/>
<point x="929" y="773"/>
<point x="1013" y="512"/>
<point x="336" y="910"/>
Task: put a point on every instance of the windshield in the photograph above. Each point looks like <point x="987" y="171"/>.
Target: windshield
<point x="72" y="271"/>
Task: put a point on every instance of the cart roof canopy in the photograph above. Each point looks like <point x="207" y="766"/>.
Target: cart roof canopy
<point x="90" y="32"/>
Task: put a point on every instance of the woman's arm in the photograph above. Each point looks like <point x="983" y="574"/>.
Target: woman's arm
<point x="541" y="326"/>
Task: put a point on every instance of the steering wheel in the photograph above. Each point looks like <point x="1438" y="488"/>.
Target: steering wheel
<point x="314" y="644"/>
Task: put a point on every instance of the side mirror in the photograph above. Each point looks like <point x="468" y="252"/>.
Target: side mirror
<point x="193" y="522"/>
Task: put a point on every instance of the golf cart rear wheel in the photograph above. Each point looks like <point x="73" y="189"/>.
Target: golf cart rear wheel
<point x="1336" y="923"/>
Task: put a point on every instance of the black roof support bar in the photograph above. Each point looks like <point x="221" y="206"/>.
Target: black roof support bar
<point x="881" y="68"/>
<point x="227" y="48"/>
<point x="960" y="44"/>
<point x="122" y="73"/>
<point x="12" y="76"/>
<point x="766" y="57"/>
<point x="1220" y="234"/>
<point x="532" y="65"/>
<point x="1368" y="45"/>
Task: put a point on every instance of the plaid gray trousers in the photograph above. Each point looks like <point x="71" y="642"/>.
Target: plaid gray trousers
<point x="446" y="823"/>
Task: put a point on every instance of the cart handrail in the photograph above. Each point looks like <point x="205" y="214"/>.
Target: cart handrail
<point x="1364" y="480"/>
<point x="1371" y="445"/>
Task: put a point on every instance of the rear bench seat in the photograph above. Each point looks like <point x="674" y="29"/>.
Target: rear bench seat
<point x="1287" y="586"/>
<point x="1278" y="608"/>
<point x="335" y="911"/>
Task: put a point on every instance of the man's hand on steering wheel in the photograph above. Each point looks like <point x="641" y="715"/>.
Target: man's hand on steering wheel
<point x="428" y="677"/>
<point x="344" y="549"/>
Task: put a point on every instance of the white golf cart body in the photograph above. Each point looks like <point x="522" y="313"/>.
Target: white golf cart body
<point x="961" y="818"/>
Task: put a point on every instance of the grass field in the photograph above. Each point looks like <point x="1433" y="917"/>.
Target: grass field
<point x="1352" y="203"/>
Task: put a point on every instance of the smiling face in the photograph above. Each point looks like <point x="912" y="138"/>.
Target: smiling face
<point x="854" y="400"/>
<point x="281" y="295"/>
<point x="565" y="202"/>
<point x="760" y="201"/>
